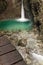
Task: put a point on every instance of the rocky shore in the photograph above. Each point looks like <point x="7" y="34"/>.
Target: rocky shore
<point x="26" y="42"/>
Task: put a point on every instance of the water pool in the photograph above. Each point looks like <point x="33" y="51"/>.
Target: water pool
<point x="14" y="25"/>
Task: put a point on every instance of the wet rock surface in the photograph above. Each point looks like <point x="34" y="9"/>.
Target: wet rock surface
<point x="27" y="44"/>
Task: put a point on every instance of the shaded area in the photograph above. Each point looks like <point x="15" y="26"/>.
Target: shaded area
<point x="3" y="6"/>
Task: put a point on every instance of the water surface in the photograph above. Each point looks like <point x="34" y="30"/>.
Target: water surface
<point x="15" y="25"/>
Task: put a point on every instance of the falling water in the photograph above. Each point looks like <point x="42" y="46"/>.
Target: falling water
<point x="22" y="11"/>
<point x="38" y="57"/>
<point x="22" y="19"/>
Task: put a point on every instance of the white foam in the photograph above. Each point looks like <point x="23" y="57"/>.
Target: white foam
<point x="22" y="20"/>
<point x="39" y="57"/>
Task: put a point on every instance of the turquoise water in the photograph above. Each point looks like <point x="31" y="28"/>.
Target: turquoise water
<point x="15" y="25"/>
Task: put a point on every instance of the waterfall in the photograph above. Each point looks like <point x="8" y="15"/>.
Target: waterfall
<point x="22" y="19"/>
<point x="22" y="11"/>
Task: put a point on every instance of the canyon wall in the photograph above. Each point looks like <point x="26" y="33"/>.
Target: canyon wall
<point x="12" y="11"/>
<point x="34" y="10"/>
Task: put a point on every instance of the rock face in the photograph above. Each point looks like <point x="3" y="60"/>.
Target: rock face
<point x="28" y="13"/>
<point x="12" y="11"/>
<point x="3" y="5"/>
<point x="36" y="9"/>
<point x="38" y="14"/>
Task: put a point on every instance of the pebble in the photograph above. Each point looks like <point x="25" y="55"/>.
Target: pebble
<point x="22" y="42"/>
